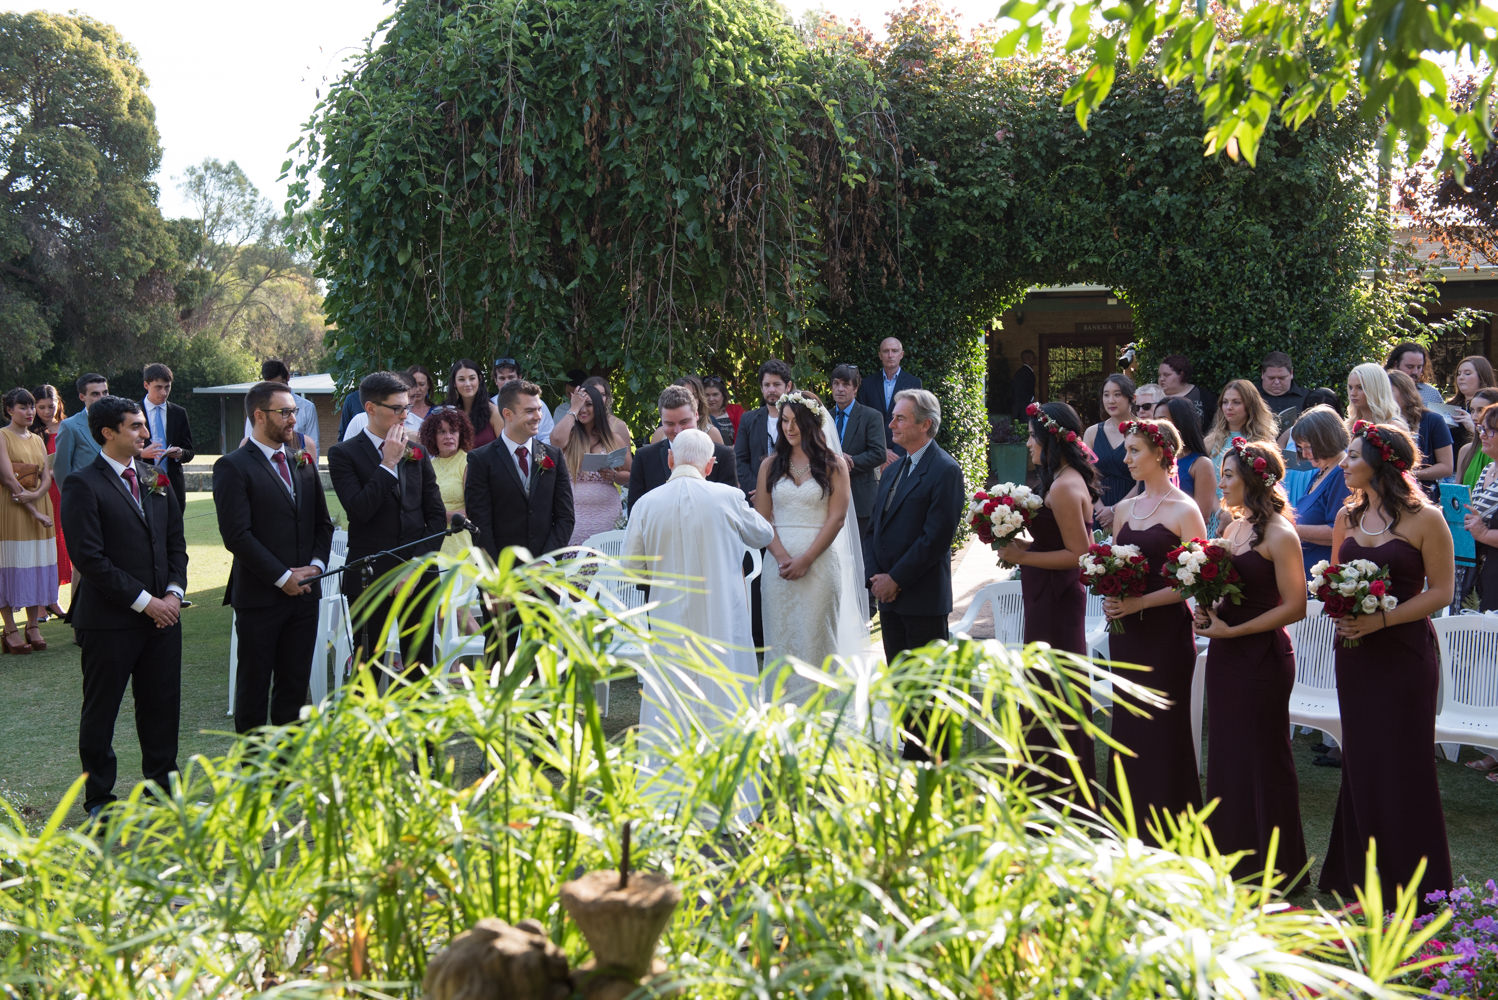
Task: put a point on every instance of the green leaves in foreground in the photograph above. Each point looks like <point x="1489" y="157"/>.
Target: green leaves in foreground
<point x="331" y="857"/>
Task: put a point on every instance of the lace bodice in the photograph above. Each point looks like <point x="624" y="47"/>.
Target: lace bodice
<point x="803" y="506"/>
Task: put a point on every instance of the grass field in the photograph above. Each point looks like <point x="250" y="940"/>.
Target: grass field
<point x="40" y="694"/>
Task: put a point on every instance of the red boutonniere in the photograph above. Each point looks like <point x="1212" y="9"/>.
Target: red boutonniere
<point x="155" y="481"/>
<point x="302" y="459"/>
<point x="546" y="463"/>
<point x="413" y="453"/>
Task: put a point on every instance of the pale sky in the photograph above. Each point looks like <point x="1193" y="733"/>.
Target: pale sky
<point x="236" y="81"/>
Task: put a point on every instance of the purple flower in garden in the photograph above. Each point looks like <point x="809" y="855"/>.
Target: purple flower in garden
<point x="1486" y="925"/>
<point x="1462" y="892"/>
<point x="1466" y="948"/>
<point x="1442" y="986"/>
<point x="1439" y="896"/>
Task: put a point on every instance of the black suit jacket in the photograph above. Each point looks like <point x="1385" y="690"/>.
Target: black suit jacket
<point x="871" y="394"/>
<point x="1022" y="391"/>
<point x="750" y="446"/>
<point x="506" y="515"/>
<point x="912" y="540"/>
<point x="650" y="470"/>
<point x="385" y="511"/>
<point x="120" y="549"/>
<point x="267" y="530"/>
<point x="178" y="434"/>
<point x="863" y="441"/>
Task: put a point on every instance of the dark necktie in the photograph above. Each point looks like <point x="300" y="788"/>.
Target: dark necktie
<point x="899" y="481"/>
<point x="525" y="467"/>
<point x="279" y="457"/>
<point x="842" y="417"/>
<point x="129" y="476"/>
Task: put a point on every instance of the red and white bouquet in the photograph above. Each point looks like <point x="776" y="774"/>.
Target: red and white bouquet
<point x="1203" y="570"/>
<point x="999" y="515"/>
<point x="1115" y="571"/>
<point x="1356" y="587"/>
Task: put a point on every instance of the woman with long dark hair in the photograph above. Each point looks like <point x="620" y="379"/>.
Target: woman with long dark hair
<point x="590" y="428"/>
<point x="28" y="560"/>
<point x="1156" y="629"/>
<point x="49" y="416"/>
<point x="1387" y="682"/>
<point x="421" y="393"/>
<point x="1050" y="577"/>
<point x="804" y="491"/>
<point x="466" y="390"/>
<point x="1105" y="439"/>
<point x="1473" y="374"/>
<point x="1198" y="478"/>
<point x="1432" y="438"/>
<point x="1251" y="670"/>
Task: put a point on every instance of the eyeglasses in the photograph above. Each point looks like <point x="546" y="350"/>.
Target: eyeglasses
<point x="397" y="409"/>
<point x="1486" y="431"/>
<point x="286" y="412"/>
<point x="1143" y="407"/>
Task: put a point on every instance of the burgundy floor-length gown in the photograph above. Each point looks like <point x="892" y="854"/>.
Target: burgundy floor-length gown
<point x="1162" y="773"/>
<point x="1386" y="690"/>
<point x="1250" y="767"/>
<point x="1055" y="612"/>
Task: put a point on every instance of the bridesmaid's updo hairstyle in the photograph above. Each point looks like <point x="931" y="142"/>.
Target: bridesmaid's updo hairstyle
<point x="1060" y="451"/>
<point x="818" y="454"/>
<point x="1390" y="452"/>
<point x="1261" y="470"/>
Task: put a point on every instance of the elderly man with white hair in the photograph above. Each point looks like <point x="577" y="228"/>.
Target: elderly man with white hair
<point x="691" y="535"/>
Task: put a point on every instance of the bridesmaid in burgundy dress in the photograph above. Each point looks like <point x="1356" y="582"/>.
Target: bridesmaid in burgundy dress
<point x="1251" y="669"/>
<point x="1386" y="685"/>
<point x="1161" y="774"/>
<point x="1050" y="577"/>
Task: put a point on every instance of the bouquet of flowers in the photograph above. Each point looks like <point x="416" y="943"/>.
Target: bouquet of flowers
<point x="1203" y="570"/>
<point x="1115" y="571"/>
<point x="999" y="515"/>
<point x="1357" y="587"/>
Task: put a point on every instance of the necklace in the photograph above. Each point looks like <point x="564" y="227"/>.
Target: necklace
<point x="1146" y="496"/>
<point x="1372" y="534"/>
<point x="799" y="470"/>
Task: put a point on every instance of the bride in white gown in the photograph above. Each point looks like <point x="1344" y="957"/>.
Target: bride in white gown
<point x="812" y="593"/>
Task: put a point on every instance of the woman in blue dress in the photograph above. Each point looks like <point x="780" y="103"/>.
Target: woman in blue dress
<point x="1106" y="439"/>
<point x="1320" y="438"/>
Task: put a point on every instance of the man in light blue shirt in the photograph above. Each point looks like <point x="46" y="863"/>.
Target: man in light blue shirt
<point x="76" y="447"/>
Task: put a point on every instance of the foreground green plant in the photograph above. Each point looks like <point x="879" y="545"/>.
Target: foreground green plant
<point x="331" y="858"/>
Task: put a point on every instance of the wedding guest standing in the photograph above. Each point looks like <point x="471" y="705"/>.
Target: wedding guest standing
<point x="1432" y="438"/>
<point x="1156" y="629"/>
<point x="1473" y="374"/>
<point x="448" y="438"/>
<point x="705" y="421"/>
<point x="1473" y="457"/>
<point x="1251" y="669"/>
<point x="76" y="448"/>
<point x="1050" y="577"/>
<point x="466" y="391"/>
<point x="1320" y="438"/>
<point x="879" y="393"/>
<point x="589" y="428"/>
<point x="1387" y="683"/>
<point x="519" y="492"/>
<point x="28" y="550"/>
<point x="1174" y="376"/>
<point x="49" y="417"/>
<point x="725" y="415"/>
<point x="1481" y="521"/>
<point x="1370" y="397"/>
<point x="1241" y="412"/>
<point x="421" y="391"/>
<point x="1106" y="441"/>
<point x="1198" y="479"/>
<point x="171" y="436"/>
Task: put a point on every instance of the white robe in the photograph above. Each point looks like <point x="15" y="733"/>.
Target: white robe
<point x="699" y="530"/>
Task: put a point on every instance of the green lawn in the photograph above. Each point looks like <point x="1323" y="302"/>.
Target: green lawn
<point x="40" y="692"/>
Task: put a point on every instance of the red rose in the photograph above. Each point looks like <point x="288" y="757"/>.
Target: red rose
<point x="547" y="463"/>
<point x="1108" y="586"/>
<point x="1214" y="551"/>
<point x="1007" y="501"/>
<point x="161" y="481"/>
<point x="988" y="508"/>
<point x="1260" y="465"/>
<point x="1175" y="554"/>
<point x="1376" y="588"/>
<point x="1032" y="409"/>
<point x="980" y="495"/>
<point x="1209" y="571"/>
<point x="415" y="454"/>
<point x="1104" y="550"/>
<point x="1071" y="437"/>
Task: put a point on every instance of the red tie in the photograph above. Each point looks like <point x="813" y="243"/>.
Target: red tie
<point x="525" y="467"/>
<point x="280" y="460"/>
<point x="129" y="475"/>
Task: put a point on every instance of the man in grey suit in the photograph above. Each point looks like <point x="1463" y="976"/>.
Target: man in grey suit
<point x="76" y="447"/>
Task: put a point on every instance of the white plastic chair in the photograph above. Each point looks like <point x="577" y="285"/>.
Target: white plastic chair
<point x="1469" y="682"/>
<point x="1313" y="699"/>
<point x="1006" y="602"/>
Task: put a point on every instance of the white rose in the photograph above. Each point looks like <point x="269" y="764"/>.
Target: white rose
<point x="1390" y="602"/>
<point x="1347" y="589"/>
<point x="1370" y="604"/>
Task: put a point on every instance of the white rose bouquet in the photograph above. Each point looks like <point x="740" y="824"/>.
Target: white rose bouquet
<point x="1346" y="590"/>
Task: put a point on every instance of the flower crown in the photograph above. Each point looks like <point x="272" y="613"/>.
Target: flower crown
<point x="1246" y="461"/>
<point x="1057" y="431"/>
<point x="808" y="401"/>
<point x="1370" y="433"/>
<point x="1151" y="432"/>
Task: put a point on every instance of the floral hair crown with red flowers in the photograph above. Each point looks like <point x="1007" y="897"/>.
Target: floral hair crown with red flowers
<point x="1370" y="433"/>
<point x="1256" y="464"/>
<point x="1150" y="432"/>
<point x="1056" y="430"/>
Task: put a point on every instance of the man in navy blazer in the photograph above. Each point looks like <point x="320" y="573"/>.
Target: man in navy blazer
<point x="759" y="428"/>
<point x="273" y="516"/>
<point x="916" y="512"/>
<point x="650" y="469"/>
<point x="124" y="532"/>
<point x="389" y="494"/>
<point x="879" y="393"/>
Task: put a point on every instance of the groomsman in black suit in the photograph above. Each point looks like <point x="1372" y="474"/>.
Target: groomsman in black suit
<point x="879" y="393"/>
<point x="916" y="511"/>
<point x="757" y="430"/>
<point x="678" y="413"/>
<point x="518" y="491"/>
<point x="861" y="434"/>
<point x="390" y="495"/>
<point x="273" y="516"/>
<point x="124" y="531"/>
<point x="171" y="437"/>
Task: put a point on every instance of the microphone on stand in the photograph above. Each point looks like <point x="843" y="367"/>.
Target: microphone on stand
<point x="460" y="523"/>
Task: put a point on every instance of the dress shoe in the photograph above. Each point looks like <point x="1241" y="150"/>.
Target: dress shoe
<point x="1327" y="760"/>
<point x="1322" y="747"/>
<point x="12" y="643"/>
<point x="34" y="638"/>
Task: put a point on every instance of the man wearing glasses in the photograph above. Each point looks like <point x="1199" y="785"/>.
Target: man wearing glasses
<point x="508" y="370"/>
<point x="273" y="517"/>
<point x="1145" y="398"/>
<point x="360" y="421"/>
<point x="389" y="493"/>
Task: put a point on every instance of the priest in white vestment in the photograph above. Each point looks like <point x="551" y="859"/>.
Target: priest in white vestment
<point x="691" y="536"/>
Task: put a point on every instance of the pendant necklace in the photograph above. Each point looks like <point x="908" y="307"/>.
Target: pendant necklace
<point x="798" y="471"/>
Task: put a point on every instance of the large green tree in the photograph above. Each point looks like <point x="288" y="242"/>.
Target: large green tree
<point x="86" y="262"/>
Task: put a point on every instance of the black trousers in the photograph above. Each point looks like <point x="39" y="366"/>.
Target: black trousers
<point x="276" y="645"/>
<point x="417" y="651"/>
<point x="149" y="661"/>
<point x="905" y="632"/>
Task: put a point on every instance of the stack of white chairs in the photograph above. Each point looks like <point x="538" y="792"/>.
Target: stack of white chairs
<point x="1468" y="710"/>
<point x="1313" y="699"/>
